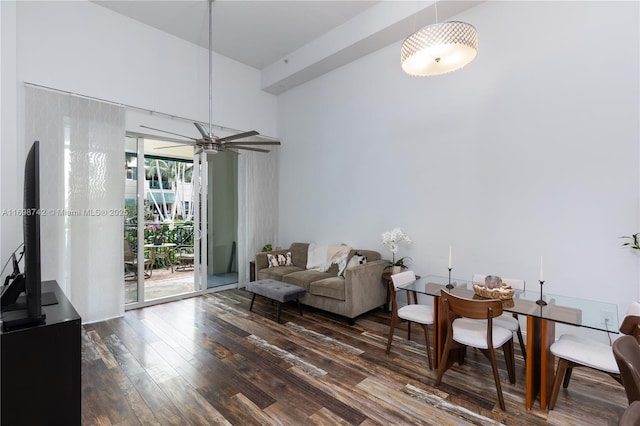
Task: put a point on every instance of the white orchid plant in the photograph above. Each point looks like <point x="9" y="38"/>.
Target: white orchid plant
<point x="392" y="239"/>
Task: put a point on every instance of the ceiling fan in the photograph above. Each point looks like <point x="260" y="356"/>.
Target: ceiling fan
<point x="208" y="142"/>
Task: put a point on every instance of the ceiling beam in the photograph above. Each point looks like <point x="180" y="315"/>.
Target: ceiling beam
<point x="379" y="26"/>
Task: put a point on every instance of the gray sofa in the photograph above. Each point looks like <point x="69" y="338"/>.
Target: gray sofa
<point x="360" y="290"/>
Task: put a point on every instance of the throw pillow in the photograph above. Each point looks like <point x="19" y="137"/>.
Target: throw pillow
<point x="357" y="259"/>
<point x="272" y="261"/>
<point x="279" y="260"/>
<point x="285" y="259"/>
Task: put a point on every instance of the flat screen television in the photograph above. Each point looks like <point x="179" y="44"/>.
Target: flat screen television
<point x="22" y="313"/>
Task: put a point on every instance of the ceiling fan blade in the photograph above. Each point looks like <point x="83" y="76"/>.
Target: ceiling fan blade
<point x="171" y="133"/>
<point x="182" y="145"/>
<point x="203" y="131"/>
<point x="252" y="143"/>
<point x="232" y="151"/>
<point x="250" y="149"/>
<point x="239" y="135"/>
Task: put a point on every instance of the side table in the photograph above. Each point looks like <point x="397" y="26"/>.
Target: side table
<point x="387" y="277"/>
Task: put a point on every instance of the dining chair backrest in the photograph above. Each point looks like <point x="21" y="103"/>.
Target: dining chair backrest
<point x="128" y="252"/>
<point x="402" y="278"/>
<point x="634" y="309"/>
<point x="516" y="283"/>
<point x="471" y="308"/>
<point x="631" y="325"/>
<point x="631" y="415"/>
<point x="631" y="322"/>
<point x="627" y="354"/>
<point x="478" y="278"/>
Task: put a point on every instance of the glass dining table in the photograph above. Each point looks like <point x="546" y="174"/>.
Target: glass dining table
<point x="540" y="319"/>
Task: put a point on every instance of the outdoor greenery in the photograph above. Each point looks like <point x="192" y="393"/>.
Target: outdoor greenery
<point x="167" y="216"/>
<point x="180" y="233"/>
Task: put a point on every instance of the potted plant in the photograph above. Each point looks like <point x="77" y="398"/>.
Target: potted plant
<point x="635" y="241"/>
<point x="267" y="247"/>
<point x="154" y="233"/>
<point x="392" y="239"/>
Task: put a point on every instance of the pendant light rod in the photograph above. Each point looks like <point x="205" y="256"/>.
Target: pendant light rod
<point x="435" y="6"/>
<point x="210" y="66"/>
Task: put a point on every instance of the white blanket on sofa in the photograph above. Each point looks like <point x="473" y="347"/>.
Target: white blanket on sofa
<point x="320" y="258"/>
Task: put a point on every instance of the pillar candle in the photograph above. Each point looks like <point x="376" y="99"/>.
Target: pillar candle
<point x="541" y="270"/>
<point x="449" y="257"/>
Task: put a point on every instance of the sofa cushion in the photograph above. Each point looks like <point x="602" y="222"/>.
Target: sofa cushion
<point x="329" y="287"/>
<point x="277" y="272"/>
<point x="299" y="254"/>
<point x="304" y="278"/>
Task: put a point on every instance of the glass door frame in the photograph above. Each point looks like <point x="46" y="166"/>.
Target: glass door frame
<point x="200" y="175"/>
<point x="201" y="190"/>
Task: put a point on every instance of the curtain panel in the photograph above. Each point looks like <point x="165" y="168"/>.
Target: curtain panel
<point x="257" y="206"/>
<point x="82" y="192"/>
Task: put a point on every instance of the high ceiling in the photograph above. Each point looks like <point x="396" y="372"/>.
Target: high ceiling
<point x="290" y="41"/>
<point x="256" y="33"/>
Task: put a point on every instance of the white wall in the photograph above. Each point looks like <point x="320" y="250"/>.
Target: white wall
<point x="87" y="49"/>
<point x="530" y="150"/>
<point x="80" y="47"/>
<point x="9" y="226"/>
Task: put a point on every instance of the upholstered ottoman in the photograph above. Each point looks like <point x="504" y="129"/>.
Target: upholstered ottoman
<point x="276" y="290"/>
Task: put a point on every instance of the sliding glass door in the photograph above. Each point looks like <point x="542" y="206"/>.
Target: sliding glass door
<point x="160" y="231"/>
<point x="222" y="220"/>
<point x="180" y="233"/>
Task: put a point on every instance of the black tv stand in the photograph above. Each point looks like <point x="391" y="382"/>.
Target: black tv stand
<point x="40" y="367"/>
<point x="20" y="318"/>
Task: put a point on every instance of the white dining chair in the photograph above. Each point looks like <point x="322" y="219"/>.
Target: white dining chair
<point x="420" y="314"/>
<point x="508" y="320"/>
<point x="469" y="323"/>
<point x="579" y="351"/>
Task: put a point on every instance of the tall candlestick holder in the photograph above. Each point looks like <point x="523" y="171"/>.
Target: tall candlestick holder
<point x="541" y="301"/>
<point x="449" y="286"/>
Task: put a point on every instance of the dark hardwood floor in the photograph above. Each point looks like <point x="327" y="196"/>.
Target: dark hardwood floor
<point x="208" y="360"/>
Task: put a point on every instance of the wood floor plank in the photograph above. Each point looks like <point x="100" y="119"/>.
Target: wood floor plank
<point x="193" y="406"/>
<point x="209" y="360"/>
<point x="256" y="413"/>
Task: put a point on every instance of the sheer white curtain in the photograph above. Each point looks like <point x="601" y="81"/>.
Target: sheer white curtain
<point x="257" y="206"/>
<point x="81" y="196"/>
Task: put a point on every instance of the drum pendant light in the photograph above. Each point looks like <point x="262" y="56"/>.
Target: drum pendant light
<point x="439" y="48"/>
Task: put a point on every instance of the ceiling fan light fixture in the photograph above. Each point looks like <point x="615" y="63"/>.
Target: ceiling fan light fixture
<point x="211" y="148"/>
<point x="439" y="48"/>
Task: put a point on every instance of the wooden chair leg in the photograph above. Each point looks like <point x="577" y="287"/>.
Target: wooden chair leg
<point x="509" y="359"/>
<point x="408" y="330"/>
<point x="252" y="300"/>
<point x="426" y="339"/>
<point x="560" y="371"/>
<point x="444" y="361"/>
<point x="461" y="353"/>
<point x="392" y="328"/>
<point x="522" y="347"/>
<point x="496" y="376"/>
<point x="567" y="376"/>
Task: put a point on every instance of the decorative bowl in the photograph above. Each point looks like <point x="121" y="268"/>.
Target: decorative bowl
<point x="503" y="292"/>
